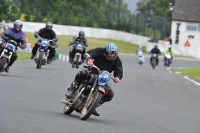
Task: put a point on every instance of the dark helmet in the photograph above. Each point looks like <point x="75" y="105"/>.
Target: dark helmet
<point x="110" y="48"/>
<point x="18" y="24"/>
<point x="156" y="46"/>
<point x="49" y="24"/>
<point x="81" y="33"/>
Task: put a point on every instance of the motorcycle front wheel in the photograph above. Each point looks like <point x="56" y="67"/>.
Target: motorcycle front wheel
<point x="89" y="107"/>
<point x="2" y="63"/>
<point x="40" y="58"/>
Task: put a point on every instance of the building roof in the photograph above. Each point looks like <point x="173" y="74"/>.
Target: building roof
<point x="187" y="10"/>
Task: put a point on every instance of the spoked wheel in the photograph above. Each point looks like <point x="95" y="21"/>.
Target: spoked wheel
<point x="39" y="61"/>
<point x="2" y="63"/>
<point x="153" y="63"/>
<point x="89" y="107"/>
<point x="67" y="110"/>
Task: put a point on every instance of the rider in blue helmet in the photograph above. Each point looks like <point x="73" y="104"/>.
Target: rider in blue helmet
<point x="111" y="52"/>
<point x="106" y="59"/>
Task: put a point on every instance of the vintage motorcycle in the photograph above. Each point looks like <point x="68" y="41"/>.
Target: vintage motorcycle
<point x="167" y="60"/>
<point x="8" y="48"/>
<point x="77" y="60"/>
<point x="43" y="51"/>
<point x="153" y="61"/>
<point x="140" y="57"/>
<point x="88" y="95"/>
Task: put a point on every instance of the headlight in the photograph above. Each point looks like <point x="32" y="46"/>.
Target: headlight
<point x="10" y="52"/>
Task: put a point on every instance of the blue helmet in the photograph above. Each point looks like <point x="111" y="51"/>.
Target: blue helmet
<point x="110" y="48"/>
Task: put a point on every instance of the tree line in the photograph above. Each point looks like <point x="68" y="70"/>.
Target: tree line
<point x="110" y="14"/>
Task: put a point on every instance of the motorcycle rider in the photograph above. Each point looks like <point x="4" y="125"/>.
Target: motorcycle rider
<point x="140" y="49"/>
<point x="81" y="39"/>
<point x="137" y="53"/>
<point x="106" y="59"/>
<point x="46" y="33"/>
<point x="17" y="35"/>
<point x="169" y="50"/>
<point x="155" y="50"/>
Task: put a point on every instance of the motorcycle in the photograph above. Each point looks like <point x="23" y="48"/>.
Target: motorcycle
<point x="88" y="95"/>
<point x="77" y="60"/>
<point x="43" y="51"/>
<point x="8" y="48"/>
<point x="140" y="57"/>
<point x="153" y="61"/>
<point x="167" y="60"/>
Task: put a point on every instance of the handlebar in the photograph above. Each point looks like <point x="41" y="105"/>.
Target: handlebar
<point x="100" y="71"/>
<point x="52" y="40"/>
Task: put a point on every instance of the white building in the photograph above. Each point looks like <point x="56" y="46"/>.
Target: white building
<point x="186" y="26"/>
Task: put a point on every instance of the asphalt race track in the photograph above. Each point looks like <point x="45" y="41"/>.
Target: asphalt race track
<point x="146" y="101"/>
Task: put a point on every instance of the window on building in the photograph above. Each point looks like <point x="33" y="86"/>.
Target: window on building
<point x="193" y="27"/>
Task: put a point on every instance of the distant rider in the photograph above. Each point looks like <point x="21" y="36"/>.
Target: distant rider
<point x="169" y="50"/>
<point x="80" y="39"/>
<point x="17" y="35"/>
<point x="46" y="33"/>
<point x="155" y="50"/>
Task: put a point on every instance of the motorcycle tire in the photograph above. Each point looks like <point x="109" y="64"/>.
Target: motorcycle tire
<point x="2" y="63"/>
<point x="87" y="111"/>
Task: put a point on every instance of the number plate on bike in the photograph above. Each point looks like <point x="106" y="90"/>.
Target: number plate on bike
<point x="10" y="46"/>
<point x="103" y="78"/>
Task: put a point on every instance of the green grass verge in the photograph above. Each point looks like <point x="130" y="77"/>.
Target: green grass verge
<point x="193" y="72"/>
<point x="23" y="56"/>
<point x="63" y="42"/>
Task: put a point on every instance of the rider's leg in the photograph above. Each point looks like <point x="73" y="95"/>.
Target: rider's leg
<point x="106" y="97"/>
<point x="12" y="60"/>
<point x="34" y="50"/>
<point x="76" y="83"/>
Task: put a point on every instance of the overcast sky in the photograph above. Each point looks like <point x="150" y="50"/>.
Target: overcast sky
<point x="132" y="4"/>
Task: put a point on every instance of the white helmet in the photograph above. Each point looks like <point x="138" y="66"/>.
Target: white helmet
<point x="140" y="46"/>
<point x="18" y="24"/>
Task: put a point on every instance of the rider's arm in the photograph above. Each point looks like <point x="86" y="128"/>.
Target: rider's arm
<point x="23" y="44"/>
<point x="159" y="52"/>
<point x="118" y="70"/>
<point x="95" y="53"/>
<point x="40" y="33"/>
<point x="172" y="52"/>
<point x="86" y="42"/>
<point x="54" y="35"/>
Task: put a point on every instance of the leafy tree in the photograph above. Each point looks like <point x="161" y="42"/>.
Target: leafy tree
<point x="8" y="10"/>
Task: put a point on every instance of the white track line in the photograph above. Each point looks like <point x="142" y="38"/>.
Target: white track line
<point x="186" y="77"/>
<point x="168" y="69"/>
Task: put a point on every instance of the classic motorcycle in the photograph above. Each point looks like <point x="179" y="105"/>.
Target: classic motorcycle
<point x="77" y="60"/>
<point x="153" y="61"/>
<point x="88" y="95"/>
<point x="43" y="51"/>
<point x="140" y="57"/>
<point x="8" y="48"/>
<point x="167" y="60"/>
